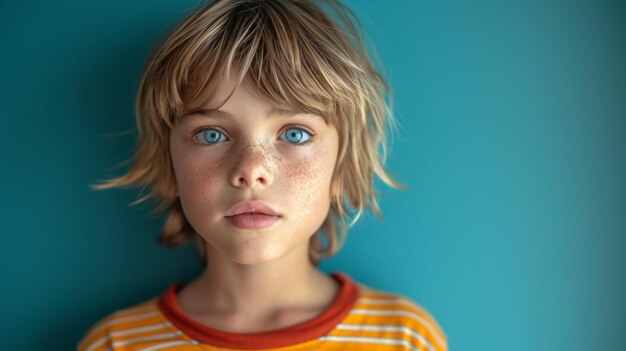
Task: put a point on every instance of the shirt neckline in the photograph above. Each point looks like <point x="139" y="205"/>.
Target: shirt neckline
<point x="302" y="332"/>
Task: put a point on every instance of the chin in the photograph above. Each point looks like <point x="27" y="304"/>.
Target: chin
<point x="251" y="260"/>
<point x="253" y="255"/>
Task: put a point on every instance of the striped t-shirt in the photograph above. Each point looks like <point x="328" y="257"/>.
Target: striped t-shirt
<point x="359" y="318"/>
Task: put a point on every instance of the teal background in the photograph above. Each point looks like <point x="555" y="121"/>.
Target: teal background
<point x="513" y="114"/>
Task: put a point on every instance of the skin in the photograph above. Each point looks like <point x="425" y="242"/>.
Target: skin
<point x="261" y="279"/>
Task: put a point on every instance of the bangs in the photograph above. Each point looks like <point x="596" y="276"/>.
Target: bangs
<point x="299" y="62"/>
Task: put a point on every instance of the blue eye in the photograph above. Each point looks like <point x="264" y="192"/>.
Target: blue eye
<point x="211" y="135"/>
<point x="295" y="135"/>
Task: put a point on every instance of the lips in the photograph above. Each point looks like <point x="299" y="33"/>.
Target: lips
<point x="251" y="207"/>
<point x="252" y="215"/>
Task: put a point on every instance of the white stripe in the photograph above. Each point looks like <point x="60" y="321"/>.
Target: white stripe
<point x="363" y="311"/>
<point x="397" y="300"/>
<point x="114" y="321"/>
<point x="147" y="338"/>
<point x="368" y="340"/>
<point x="107" y="337"/>
<point x="139" y="329"/>
<point x="98" y="343"/>
<point x="381" y="328"/>
<point x="168" y="344"/>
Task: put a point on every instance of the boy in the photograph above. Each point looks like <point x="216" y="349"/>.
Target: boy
<point x="257" y="121"/>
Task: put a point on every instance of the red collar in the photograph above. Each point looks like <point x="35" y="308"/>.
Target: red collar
<point x="305" y="331"/>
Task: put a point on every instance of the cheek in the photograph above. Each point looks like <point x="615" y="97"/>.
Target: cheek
<point x="196" y="179"/>
<point x="197" y="175"/>
<point x="308" y="184"/>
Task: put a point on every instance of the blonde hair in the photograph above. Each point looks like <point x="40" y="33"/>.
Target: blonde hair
<point x="300" y="60"/>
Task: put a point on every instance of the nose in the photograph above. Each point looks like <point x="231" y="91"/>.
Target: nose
<point x="252" y="169"/>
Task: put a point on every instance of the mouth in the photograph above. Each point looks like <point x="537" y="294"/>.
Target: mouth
<point x="253" y="220"/>
<point x="253" y="214"/>
<point x="251" y="208"/>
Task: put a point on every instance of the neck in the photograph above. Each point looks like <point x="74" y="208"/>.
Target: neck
<point x="259" y="291"/>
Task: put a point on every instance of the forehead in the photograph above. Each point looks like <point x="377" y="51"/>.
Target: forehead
<point x="224" y="100"/>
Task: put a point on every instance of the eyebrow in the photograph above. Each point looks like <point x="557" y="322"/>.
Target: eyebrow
<point x="275" y="112"/>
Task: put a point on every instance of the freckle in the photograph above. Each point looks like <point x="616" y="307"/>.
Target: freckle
<point x="199" y="171"/>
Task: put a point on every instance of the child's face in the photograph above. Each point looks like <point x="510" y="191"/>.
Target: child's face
<point x="254" y="156"/>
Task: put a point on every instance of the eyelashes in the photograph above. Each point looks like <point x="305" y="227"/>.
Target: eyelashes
<point x="212" y="135"/>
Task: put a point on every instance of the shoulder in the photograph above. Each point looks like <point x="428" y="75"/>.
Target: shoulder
<point x="101" y="335"/>
<point x="398" y="311"/>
